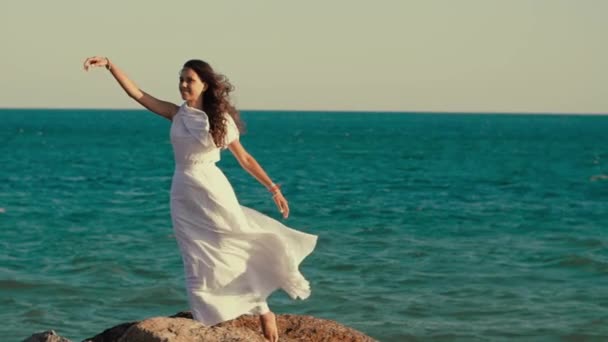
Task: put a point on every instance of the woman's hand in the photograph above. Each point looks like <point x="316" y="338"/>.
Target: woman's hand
<point x="281" y="203"/>
<point x="96" y="61"/>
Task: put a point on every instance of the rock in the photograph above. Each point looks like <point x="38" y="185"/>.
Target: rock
<point x="46" y="336"/>
<point x="112" y="334"/>
<point x="163" y="329"/>
<point x="182" y="328"/>
<point x="300" y="328"/>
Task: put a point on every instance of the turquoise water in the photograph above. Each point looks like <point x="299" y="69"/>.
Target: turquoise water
<point x="432" y="227"/>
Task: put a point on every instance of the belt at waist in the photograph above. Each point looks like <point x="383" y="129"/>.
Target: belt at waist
<point x="194" y="164"/>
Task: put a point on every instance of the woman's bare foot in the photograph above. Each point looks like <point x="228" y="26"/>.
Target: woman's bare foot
<point x="269" y="326"/>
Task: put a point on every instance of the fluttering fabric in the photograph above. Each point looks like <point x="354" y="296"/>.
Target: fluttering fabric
<point x="234" y="257"/>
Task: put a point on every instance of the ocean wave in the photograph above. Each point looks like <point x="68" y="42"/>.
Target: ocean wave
<point x="583" y="262"/>
<point x="600" y="177"/>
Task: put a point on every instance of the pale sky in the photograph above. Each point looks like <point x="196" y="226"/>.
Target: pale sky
<point x="405" y="55"/>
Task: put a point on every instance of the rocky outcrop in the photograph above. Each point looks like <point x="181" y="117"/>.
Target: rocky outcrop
<point x="182" y="328"/>
<point x="46" y="336"/>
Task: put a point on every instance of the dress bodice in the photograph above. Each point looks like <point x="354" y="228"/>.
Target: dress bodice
<point x="191" y="140"/>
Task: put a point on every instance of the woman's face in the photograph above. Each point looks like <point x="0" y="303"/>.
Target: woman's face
<point x="190" y="85"/>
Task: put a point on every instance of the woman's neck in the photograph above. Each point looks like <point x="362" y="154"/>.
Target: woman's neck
<point x="198" y="103"/>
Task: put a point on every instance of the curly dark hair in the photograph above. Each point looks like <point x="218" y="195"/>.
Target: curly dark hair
<point x="216" y="100"/>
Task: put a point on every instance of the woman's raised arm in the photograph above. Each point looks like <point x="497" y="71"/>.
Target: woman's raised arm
<point x="162" y="108"/>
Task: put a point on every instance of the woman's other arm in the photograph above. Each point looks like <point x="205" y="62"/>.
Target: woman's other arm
<point x="249" y="163"/>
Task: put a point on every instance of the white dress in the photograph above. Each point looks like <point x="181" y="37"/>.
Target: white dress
<point x="234" y="257"/>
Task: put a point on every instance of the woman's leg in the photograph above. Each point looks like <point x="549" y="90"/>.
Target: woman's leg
<point x="268" y="321"/>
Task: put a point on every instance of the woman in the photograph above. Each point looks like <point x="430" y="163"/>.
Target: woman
<point x="234" y="257"/>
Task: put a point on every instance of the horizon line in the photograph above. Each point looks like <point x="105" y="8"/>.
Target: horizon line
<point x="333" y="111"/>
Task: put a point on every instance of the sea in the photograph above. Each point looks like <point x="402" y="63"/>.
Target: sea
<point x="432" y="226"/>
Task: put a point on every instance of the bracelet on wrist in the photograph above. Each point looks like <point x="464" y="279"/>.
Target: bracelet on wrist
<point x="274" y="188"/>
<point x="108" y="66"/>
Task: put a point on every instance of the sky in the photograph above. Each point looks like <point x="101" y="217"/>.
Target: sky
<point x="512" y="56"/>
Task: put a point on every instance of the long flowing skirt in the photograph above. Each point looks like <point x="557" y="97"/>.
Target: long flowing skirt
<point x="234" y="257"/>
